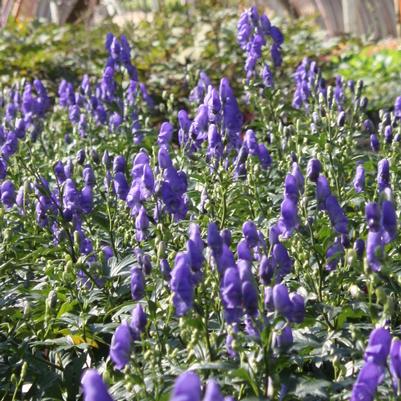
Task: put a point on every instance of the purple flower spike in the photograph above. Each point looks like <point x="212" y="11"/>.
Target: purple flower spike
<point x="120" y="347"/>
<point x="93" y="387"/>
<point x="187" y="387"/>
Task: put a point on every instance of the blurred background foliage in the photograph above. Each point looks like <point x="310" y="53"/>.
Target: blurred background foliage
<point x="172" y="45"/>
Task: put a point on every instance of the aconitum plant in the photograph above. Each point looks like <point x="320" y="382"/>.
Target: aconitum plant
<point x="243" y="245"/>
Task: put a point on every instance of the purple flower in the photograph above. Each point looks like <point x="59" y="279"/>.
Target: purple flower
<point x="266" y="270"/>
<point x="291" y="188"/>
<point x="374" y="250"/>
<point x="165" y="269"/>
<point x="214" y="240"/>
<point x="289" y="217"/>
<point x="231" y="294"/>
<point x="370" y="376"/>
<point x="336" y="214"/>
<point x="275" y="52"/>
<point x="89" y="176"/>
<point x="389" y="221"/>
<point x="187" y="387"/>
<point x="251" y="142"/>
<point x="250" y="233"/>
<point x="138" y="322"/>
<point x="120" y="347"/>
<point x="3" y="168"/>
<point x="333" y="255"/>
<point x="195" y="247"/>
<point x="359" y="246"/>
<point x="264" y="156"/>
<point x="107" y="252"/>
<point x="267" y="76"/>
<point x="282" y="337"/>
<point x="276" y="35"/>
<point x="298" y="308"/>
<point x="378" y="347"/>
<point x="313" y="169"/>
<point x="373" y="216"/>
<point x="119" y="164"/>
<point x="137" y="284"/>
<point x="141" y="224"/>
<point x="374" y="143"/>
<point x="86" y="199"/>
<point x="281" y="300"/>
<point x="182" y="284"/>
<point x="163" y="158"/>
<point x="93" y="387"/>
<point x="7" y="193"/>
<point x="226" y="236"/>
<point x="121" y="185"/>
<point x="299" y="178"/>
<point x="397" y="107"/>
<point x="165" y="134"/>
<point x="383" y="174"/>
<point x="212" y="392"/>
<point x="281" y="261"/>
<point x="395" y="359"/>
<point x="359" y="180"/>
<point x="388" y="134"/>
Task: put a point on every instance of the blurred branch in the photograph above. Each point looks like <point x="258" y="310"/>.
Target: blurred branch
<point x="5" y="12"/>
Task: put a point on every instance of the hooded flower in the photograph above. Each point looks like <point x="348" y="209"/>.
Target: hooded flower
<point x="212" y="392"/>
<point x="182" y="284"/>
<point x="187" y="387"/>
<point x="359" y="180"/>
<point x="138" y="322"/>
<point x="336" y="214"/>
<point x="93" y="387"/>
<point x="374" y="250"/>
<point x="378" y="347"/>
<point x="137" y="284"/>
<point x="313" y="169"/>
<point x="120" y="347"/>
